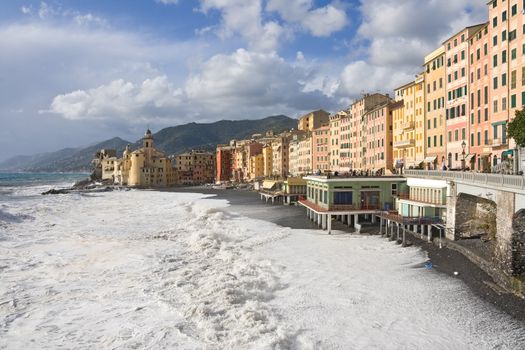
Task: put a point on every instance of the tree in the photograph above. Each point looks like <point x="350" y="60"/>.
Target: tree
<point x="516" y="128"/>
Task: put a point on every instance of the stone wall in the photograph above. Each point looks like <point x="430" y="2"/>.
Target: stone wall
<point x="518" y="243"/>
<point x="503" y="254"/>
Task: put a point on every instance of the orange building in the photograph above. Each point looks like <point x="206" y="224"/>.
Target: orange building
<point x="321" y="149"/>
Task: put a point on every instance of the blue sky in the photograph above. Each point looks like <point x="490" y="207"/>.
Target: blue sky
<point x="78" y="72"/>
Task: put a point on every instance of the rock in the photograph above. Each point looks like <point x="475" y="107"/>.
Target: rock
<point x="55" y="191"/>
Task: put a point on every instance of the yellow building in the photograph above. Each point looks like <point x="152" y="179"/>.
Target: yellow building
<point x="435" y="76"/>
<point x="267" y="153"/>
<point x="404" y="127"/>
<point x="256" y="166"/>
<point x="420" y="120"/>
<point x="313" y="120"/>
<point x="144" y="167"/>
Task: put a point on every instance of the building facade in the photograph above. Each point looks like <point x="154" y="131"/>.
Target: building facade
<point x="313" y="120"/>
<point x="196" y="167"/>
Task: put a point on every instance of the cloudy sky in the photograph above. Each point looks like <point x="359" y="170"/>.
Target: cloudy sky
<point x="76" y="72"/>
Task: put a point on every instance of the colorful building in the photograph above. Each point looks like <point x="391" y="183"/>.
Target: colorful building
<point x="457" y="51"/>
<point x="196" y="167"/>
<point x="224" y="160"/>
<point x="435" y="80"/>
<point x="479" y="118"/>
<point x="313" y="120"/>
<point x="377" y="129"/>
<point x="404" y="130"/>
<point x="320" y="149"/>
<point x="144" y="167"/>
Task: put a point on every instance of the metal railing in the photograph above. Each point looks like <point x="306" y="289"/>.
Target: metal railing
<point x="500" y="180"/>
<point x="413" y="220"/>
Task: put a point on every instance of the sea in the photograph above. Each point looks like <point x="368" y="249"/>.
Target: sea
<point x="145" y="269"/>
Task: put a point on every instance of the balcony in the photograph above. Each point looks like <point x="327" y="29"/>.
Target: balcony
<point x="407" y="125"/>
<point x="498" y="142"/>
<point x="404" y="143"/>
<point x="430" y="201"/>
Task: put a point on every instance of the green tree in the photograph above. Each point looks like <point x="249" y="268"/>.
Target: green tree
<point x="516" y="128"/>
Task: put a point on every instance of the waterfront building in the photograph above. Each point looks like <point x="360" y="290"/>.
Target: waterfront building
<point x="347" y="198"/>
<point x="320" y="149"/>
<point x="404" y="128"/>
<point x="335" y="140"/>
<point x="280" y="159"/>
<point x="256" y="167"/>
<point x="313" y="120"/>
<point x="358" y="130"/>
<point x="479" y="117"/>
<point x="419" y="120"/>
<point x="267" y="152"/>
<point x="435" y="80"/>
<point x="144" y="167"/>
<point x="224" y="161"/>
<point x="424" y="198"/>
<point x="195" y="167"/>
<point x="457" y="50"/>
<point x="377" y="130"/>
<point x="305" y="155"/>
<point x="294" y="188"/>
<point x="506" y="40"/>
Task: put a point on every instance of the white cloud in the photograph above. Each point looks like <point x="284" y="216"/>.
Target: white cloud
<point x="152" y="99"/>
<point x="236" y="85"/>
<point x="26" y="10"/>
<point x="244" y="18"/>
<point x="320" y="22"/>
<point x="168" y="2"/>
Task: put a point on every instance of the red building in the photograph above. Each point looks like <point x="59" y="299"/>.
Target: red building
<point x="224" y="161"/>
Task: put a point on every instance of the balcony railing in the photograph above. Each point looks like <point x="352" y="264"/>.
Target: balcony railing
<point x="498" y="142"/>
<point x="413" y="220"/>
<point x="407" y="125"/>
<point x="404" y="143"/>
<point x="406" y="196"/>
<point x="499" y="180"/>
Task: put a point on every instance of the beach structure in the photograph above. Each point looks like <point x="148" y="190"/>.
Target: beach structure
<point x="346" y="198"/>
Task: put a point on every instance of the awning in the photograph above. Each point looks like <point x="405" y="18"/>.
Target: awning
<point x="430" y="159"/>
<point x="502" y="122"/>
<point x="507" y="153"/>
<point x="268" y="185"/>
<point x="469" y="157"/>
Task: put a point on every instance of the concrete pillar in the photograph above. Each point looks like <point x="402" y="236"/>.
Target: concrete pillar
<point x="398" y="231"/>
<point x="319" y="219"/>
<point x="381" y="226"/>
<point x="323" y="221"/>
<point x="429" y="233"/>
<point x="373" y="219"/>
<point x="404" y="242"/>
<point x="329" y="224"/>
<point x="349" y="220"/>
<point x="450" y="225"/>
<point x="422" y="229"/>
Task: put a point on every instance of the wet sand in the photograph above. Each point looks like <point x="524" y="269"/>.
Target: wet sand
<point x="443" y="260"/>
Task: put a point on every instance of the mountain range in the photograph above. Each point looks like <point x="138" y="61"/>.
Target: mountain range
<point x="171" y="140"/>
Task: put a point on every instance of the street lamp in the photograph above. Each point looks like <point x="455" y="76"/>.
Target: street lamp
<point x="463" y="145"/>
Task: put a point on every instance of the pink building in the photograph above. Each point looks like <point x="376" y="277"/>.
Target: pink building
<point x="508" y="71"/>
<point x="321" y="149"/>
<point x="457" y="93"/>
<point x="480" y="79"/>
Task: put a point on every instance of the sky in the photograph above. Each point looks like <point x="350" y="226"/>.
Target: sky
<point x="73" y="73"/>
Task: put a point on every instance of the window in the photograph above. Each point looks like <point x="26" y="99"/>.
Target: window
<point x="479" y="138"/>
<point x="495" y="40"/>
<point x="504" y="79"/>
<point x="486" y="137"/>
<point x="504" y="104"/>
<point x="504" y="56"/>
<point x="513" y="79"/>
<point x="485" y="49"/>
<point x="486" y="95"/>
<point x="512" y="35"/>
<point x="514" y="10"/>
<point x="486" y="117"/>
<point x="456" y="135"/>
<point x="513" y="101"/>
<point x="495" y="60"/>
<point x="495" y="22"/>
<point x="462" y="55"/>
<point x="472" y="139"/>
<point x="450" y="136"/>
<point x="513" y="54"/>
<point x="495" y="106"/>
<point x="463" y="134"/>
<point x="495" y="83"/>
<point x="504" y="16"/>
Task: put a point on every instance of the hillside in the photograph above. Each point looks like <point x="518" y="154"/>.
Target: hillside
<point x="171" y="140"/>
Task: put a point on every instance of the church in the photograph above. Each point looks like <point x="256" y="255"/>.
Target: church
<point x="144" y="167"/>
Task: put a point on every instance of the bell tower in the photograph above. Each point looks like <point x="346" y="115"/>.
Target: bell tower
<point x="148" y="139"/>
